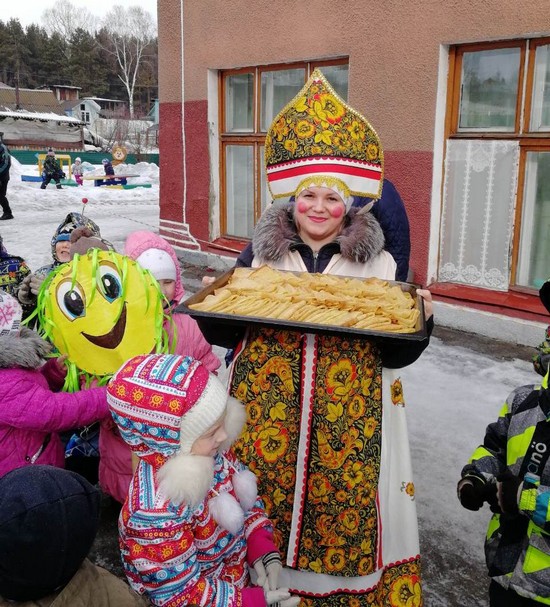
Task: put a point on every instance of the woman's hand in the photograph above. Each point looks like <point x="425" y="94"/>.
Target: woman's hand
<point x="427" y="300"/>
<point x="208" y="280"/>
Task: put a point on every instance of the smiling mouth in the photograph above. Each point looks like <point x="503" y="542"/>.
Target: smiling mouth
<point x="112" y="339"/>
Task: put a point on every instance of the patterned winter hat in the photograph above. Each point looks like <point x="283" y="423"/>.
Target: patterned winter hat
<point x="162" y="403"/>
<point x="10" y="315"/>
<point x="317" y="139"/>
<point x="71" y="222"/>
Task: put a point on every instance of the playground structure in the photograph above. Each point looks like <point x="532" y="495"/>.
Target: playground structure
<point x="117" y="181"/>
<point x="64" y="159"/>
<point x="109" y="180"/>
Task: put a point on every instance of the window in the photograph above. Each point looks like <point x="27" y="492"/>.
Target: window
<point x="250" y="99"/>
<point x="496" y="194"/>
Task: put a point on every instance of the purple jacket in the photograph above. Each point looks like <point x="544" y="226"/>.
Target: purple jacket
<point x="32" y="413"/>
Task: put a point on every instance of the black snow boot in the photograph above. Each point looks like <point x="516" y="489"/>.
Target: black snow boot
<point x="58" y="186"/>
<point x="43" y="186"/>
<point x="6" y="216"/>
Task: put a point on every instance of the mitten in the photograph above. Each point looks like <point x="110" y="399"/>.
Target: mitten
<point x="281" y="598"/>
<point x="35" y="283"/>
<point x="24" y="294"/>
<point x="268" y="568"/>
<point x="474" y="490"/>
<point x="508" y="487"/>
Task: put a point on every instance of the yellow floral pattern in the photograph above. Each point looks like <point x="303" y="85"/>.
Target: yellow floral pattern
<point x="339" y="531"/>
<point x="317" y="122"/>
<point x="399" y="586"/>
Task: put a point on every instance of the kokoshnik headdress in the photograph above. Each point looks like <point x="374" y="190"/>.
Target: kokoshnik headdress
<point x="317" y="139"/>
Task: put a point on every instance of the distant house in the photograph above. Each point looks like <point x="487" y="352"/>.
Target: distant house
<point x="86" y="110"/>
<point x="65" y="92"/>
<point x="110" y="108"/>
<point x="34" y="119"/>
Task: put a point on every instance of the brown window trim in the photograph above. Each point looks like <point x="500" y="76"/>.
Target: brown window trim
<point x="232" y="247"/>
<point x="528" y="141"/>
<point x="514" y="303"/>
<point x="256" y="138"/>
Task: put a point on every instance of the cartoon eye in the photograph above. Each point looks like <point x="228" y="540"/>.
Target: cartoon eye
<point x="71" y="300"/>
<point x="110" y="283"/>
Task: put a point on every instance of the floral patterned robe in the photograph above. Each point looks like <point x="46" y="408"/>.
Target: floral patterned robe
<point x="327" y="437"/>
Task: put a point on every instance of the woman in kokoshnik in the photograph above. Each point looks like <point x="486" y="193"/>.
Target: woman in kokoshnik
<point x="326" y="431"/>
<point x="100" y="309"/>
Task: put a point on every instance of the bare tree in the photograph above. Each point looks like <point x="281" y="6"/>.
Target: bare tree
<point x="130" y="31"/>
<point x="64" y="18"/>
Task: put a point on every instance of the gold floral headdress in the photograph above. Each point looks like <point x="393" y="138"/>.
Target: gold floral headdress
<point x="318" y="139"/>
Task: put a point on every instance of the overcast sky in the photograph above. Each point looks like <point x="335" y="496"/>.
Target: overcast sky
<point x="30" y="11"/>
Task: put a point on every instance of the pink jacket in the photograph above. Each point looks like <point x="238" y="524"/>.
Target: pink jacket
<point x="32" y="414"/>
<point x="185" y="338"/>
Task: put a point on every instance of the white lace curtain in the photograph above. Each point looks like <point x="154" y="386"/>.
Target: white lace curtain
<point x="478" y="212"/>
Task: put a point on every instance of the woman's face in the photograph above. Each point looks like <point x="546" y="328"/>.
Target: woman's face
<point x="319" y="214"/>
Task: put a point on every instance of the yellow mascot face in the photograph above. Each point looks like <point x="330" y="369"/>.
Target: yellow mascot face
<point x="101" y="309"/>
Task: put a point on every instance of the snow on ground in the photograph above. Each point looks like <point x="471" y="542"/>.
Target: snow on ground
<point x="451" y="392"/>
<point x="38" y="212"/>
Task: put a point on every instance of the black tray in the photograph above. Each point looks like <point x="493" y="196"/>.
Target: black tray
<point x="209" y="322"/>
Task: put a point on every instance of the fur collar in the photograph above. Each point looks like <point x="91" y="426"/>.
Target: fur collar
<point x="275" y="235"/>
<point x="27" y="350"/>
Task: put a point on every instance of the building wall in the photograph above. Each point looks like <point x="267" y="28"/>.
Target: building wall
<point x="395" y="80"/>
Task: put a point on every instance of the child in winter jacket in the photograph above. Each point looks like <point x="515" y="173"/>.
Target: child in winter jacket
<point x="61" y="253"/>
<point x="32" y="412"/>
<point x="192" y="524"/>
<point x="78" y="171"/>
<point x="153" y="253"/>
<point x="511" y="472"/>
<point x="48" y="522"/>
<point x="109" y="171"/>
<point x="51" y="170"/>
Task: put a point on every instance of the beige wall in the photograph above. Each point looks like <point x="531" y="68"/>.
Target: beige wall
<point x="393" y="47"/>
<point x="170" y="32"/>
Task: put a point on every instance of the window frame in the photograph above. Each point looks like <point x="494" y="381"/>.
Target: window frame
<point x="528" y="141"/>
<point x="256" y="139"/>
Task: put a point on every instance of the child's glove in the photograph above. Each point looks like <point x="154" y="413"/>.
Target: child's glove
<point x="268" y="568"/>
<point x="24" y="294"/>
<point x="35" y="283"/>
<point x="474" y="490"/>
<point x="281" y="598"/>
<point x="508" y="488"/>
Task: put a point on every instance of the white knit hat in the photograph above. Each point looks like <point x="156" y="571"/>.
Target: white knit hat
<point x="10" y="314"/>
<point x="159" y="263"/>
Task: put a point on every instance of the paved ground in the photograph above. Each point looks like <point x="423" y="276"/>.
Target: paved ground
<point x="472" y="580"/>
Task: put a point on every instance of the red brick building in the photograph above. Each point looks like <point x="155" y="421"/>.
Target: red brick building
<point x="457" y="91"/>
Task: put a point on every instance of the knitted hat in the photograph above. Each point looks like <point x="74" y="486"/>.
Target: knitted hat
<point x="159" y="263"/>
<point x="318" y="140"/>
<point x="544" y="294"/>
<point x="10" y="314"/>
<point x="83" y="239"/>
<point x="162" y="403"/>
<point x="72" y="221"/>
<point x="105" y="161"/>
<point x="77" y="159"/>
<point x="48" y="521"/>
